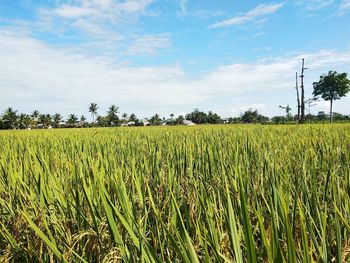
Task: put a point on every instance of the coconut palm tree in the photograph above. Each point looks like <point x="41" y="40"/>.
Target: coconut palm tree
<point x="112" y="115"/>
<point x="23" y="121"/>
<point x="45" y="120"/>
<point x="93" y="110"/>
<point x="57" y="118"/>
<point x="9" y="118"/>
<point x="72" y="119"/>
<point x="125" y="117"/>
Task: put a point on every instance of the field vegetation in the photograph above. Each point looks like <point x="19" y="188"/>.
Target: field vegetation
<point x="243" y="193"/>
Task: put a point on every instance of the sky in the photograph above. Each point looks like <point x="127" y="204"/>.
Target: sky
<point x="168" y="56"/>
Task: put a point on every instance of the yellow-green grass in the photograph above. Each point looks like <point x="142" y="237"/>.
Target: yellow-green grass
<point x="245" y="193"/>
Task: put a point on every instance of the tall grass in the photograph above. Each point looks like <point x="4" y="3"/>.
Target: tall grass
<point x="176" y="194"/>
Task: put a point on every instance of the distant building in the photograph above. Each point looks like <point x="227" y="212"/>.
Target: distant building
<point x="188" y="123"/>
<point x="145" y="122"/>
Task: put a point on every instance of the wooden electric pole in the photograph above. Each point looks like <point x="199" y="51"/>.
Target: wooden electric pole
<point x="298" y="98"/>
<point x="302" y="102"/>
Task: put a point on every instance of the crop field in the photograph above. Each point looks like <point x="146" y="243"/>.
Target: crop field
<point x="244" y="193"/>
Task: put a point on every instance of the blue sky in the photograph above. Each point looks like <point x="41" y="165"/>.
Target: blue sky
<point x="168" y="56"/>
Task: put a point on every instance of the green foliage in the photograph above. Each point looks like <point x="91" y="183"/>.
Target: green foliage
<point x="332" y="87"/>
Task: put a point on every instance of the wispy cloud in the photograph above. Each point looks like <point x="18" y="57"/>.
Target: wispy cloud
<point x="183" y="7"/>
<point x="314" y="5"/>
<point x="148" y="44"/>
<point x="344" y="7"/>
<point x="256" y="13"/>
<point x="100" y="8"/>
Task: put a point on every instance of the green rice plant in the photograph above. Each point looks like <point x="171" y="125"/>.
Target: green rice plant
<point x="223" y="193"/>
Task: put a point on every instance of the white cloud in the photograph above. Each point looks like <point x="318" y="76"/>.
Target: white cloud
<point x="36" y="75"/>
<point x="148" y="44"/>
<point x="183" y="7"/>
<point x="258" y="12"/>
<point x="313" y="5"/>
<point x="101" y="8"/>
<point x="344" y="7"/>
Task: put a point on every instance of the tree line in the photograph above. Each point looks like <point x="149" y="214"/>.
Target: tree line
<point x="11" y="119"/>
<point x="331" y="87"/>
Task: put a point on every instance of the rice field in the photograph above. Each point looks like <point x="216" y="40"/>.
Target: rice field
<point x="244" y="193"/>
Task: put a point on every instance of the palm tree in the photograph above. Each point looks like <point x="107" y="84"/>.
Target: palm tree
<point x="72" y="119"/>
<point x="23" y="121"/>
<point x="112" y="114"/>
<point x="93" y="110"/>
<point x="125" y="117"/>
<point x="132" y="117"/>
<point x="45" y="119"/>
<point x="57" y="118"/>
<point x="9" y="118"/>
<point x="35" y="114"/>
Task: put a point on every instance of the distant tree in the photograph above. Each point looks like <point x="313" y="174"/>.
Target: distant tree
<point x="45" y="120"/>
<point x="102" y="121"/>
<point x="132" y="117"/>
<point x="72" y="119"/>
<point x="9" y="118"/>
<point x="213" y="118"/>
<point x="35" y="114"/>
<point x="331" y="87"/>
<point x="288" y="110"/>
<point x="180" y="120"/>
<point x="279" y="119"/>
<point x="262" y="119"/>
<point x="56" y="118"/>
<point x="124" y="117"/>
<point x="83" y="120"/>
<point x="24" y="121"/>
<point x="93" y="110"/>
<point x="155" y="120"/>
<point x="112" y="115"/>
<point x="172" y="115"/>
<point x="250" y="116"/>
<point x="234" y="120"/>
<point x="196" y="116"/>
<point x="322" y="116"/>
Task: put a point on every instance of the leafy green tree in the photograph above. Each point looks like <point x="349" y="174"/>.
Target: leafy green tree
<point x="180" y="120"/>
<point x="250" y="116"/>
<point x="9" y="118"/>
<point x="93" y="110"/>
<point x="279" y="119"/>
<point x="197" y="116"/>
<point x="132" y="117"/>
<point x="102" y="121"/>
<point x="331" y="87"/>
<point x="213" y="118"/>
<point x="322" y="116"/>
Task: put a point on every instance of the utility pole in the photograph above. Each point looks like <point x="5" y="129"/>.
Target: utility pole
<point x="298" y="98"/>
<point x="302" y="106"/>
